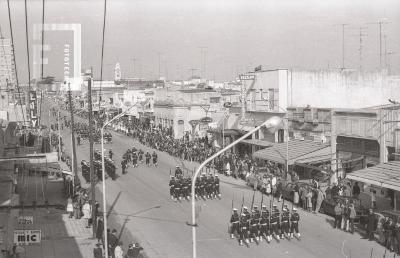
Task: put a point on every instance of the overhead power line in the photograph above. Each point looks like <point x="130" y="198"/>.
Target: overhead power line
<point x="15" y="61"/>
<point x="102" y="51"/>
<point x="27" y="53"/>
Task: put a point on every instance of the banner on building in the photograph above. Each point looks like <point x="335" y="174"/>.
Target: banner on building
<point x="27" y="237"/>
<point x="33" y="108"/>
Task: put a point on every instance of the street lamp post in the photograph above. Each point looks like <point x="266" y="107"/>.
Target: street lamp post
<point x="272" y="122"/>
<point x="104" y="177"/>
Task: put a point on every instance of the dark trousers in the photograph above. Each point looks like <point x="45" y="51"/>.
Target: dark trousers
<point x="351" y="223"/>
<point x="274" y="228"/>
<point x="244" y="234"/>
<point x="234" y="228"/>
<point x="338" y="220"/>
<point x="294" y="227"/>
<point x="285" y="228"/>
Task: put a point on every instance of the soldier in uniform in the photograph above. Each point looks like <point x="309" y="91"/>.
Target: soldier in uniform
<point x="185" y="187"/>
<point x="154" y="159"/>
<point x="285" y="222"/>
<point x="123" y="166"/>
<point x="243" y="229"/>
<point x="202" y="186"/>
<point x="294" y="219"/>
<point x="209" y="186"/>
<point x="275" y="222"/>
<point x="216" y="186"/>
<point x="254" y="221"/>
<point x="234" y="223"/>
<point x="172" y="183"/>
<point x="134" y="159"/>
<point x="110" y="153"/>
<point x="178" y="172"/>
<point x="140" y="154"/>
<point x="264" y="224"/>
<point x="197" y="187"/>
<point x="178" y="189"/>
<point x="148" y="157"/>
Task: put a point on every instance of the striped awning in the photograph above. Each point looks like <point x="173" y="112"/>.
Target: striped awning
<point x="297" y="150"/>
<point x="258" y="142"/>
<point x="385" y="175"/>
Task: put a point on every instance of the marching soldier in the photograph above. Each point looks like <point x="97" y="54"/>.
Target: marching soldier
<point x="234" y="223"/>
<point x="178" y="172"/>
<point x="254" y="220"/>
<point x="202" y="186"/>
<point x="243" y="229"/>
<point x="172" y="183"/>
<point x="123" y="166"/>
<point x="140" y="154"/>
<point x="197" y="187"/>
<point x="134" y="159"/>
<point x="148" y="157"/>
<point x="216" y="186"/>
<point x="294" y="227"/>
<point x="209" y="186"/>
<point x="154" y="159"/>
<point x="285" y="222"/>
<point x="185" y="187"/>
<point x="275" y="221"/>
<point x="264" y="224"/>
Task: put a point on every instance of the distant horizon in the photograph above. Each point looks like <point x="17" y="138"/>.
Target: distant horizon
<point x="236" y="35"/>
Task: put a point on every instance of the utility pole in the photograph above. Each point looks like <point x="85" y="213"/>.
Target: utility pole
<point x="343" y="46"/>
<point x="92" y="175"/>
<point x="192" y="70"/>
<point x="159" y="65"/>
<point x="74" y="164"/>
<point x="360" y="35"/>
<point x="380" y="23"/>
<point x="202" y="66"/>
<point x="133" y="70"/>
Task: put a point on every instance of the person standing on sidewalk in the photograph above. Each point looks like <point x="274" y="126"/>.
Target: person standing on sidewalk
<point x="70" y="208"/>
<point x="100" y="229"/>
<point x="87" y="213"/>
<point x="352" y="216"/>
<point x="320" y="198"/>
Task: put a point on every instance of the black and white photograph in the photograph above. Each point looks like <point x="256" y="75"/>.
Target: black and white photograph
<point x="199" y="128"/>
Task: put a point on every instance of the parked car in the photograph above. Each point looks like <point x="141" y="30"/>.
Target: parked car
<point x="328" y="206"/>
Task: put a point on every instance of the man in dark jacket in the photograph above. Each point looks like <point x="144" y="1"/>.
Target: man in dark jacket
<point x="371" y="225"/>
<point x="100" y="229"/>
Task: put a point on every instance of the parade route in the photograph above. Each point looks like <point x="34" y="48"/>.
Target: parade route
<point x="141" y="204"/>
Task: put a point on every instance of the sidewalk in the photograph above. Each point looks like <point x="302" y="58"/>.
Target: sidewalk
<point x="60" y="236"/>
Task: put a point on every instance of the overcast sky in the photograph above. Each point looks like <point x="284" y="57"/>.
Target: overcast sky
<point x="238" y="34"/>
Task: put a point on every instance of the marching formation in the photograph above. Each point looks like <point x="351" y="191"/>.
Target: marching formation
<point x="137" y="157"/>
<point x="207" y="186"/>
<point x="256" y="225"/>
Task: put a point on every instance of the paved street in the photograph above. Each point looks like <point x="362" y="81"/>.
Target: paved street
<point x="141" y="205"/>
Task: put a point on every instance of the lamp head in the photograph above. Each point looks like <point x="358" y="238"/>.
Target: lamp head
<point x="274" y="123"/>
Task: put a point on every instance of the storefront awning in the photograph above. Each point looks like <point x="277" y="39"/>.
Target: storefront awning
<point x="385" y="175"/>
<point x="298" y="149"/>
<point x="258" y="142"/>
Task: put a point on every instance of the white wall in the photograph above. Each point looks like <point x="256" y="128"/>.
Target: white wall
<point x="336" y="89"/>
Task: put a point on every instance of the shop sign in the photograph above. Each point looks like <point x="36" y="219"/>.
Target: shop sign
<point x="27" y="237"/>
<point x="33" y="108"/>
<point x="206" y="120"/>
<point x="25" y="220"/>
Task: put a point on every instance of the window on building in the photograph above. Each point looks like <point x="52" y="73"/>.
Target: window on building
<point x="214" y="100"/>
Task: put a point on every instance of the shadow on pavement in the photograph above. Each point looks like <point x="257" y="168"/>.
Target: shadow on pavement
<point x="113" y="204"/>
